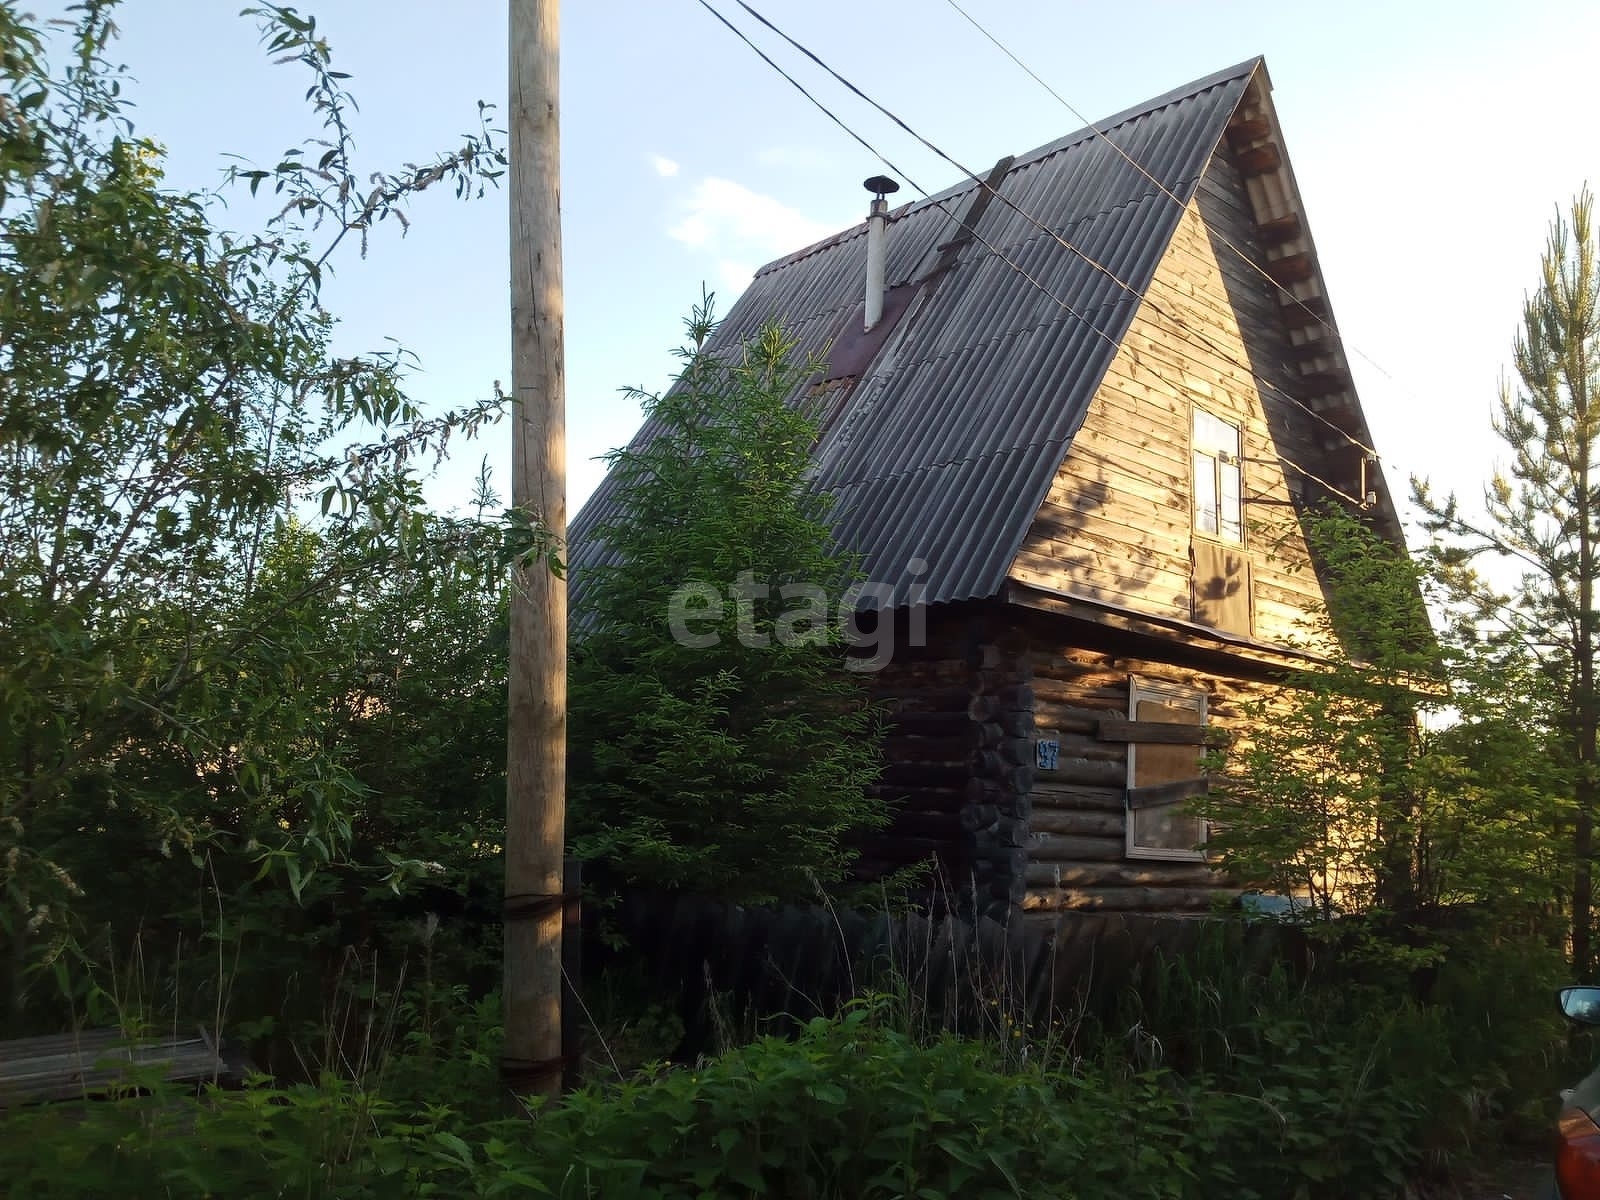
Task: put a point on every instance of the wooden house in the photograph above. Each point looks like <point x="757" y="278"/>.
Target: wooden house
<point x="1104" y="383"/>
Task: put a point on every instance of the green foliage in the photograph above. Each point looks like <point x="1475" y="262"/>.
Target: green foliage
<point x="183" y="657"/>
<point x="1397" y="774"/>
<point x="1208" y="1082"/>
<point x="1541" y="521"/>
<point x="731" y="757"/>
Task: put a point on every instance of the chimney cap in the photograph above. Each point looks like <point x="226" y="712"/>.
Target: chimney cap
<point x="881" y="186"/>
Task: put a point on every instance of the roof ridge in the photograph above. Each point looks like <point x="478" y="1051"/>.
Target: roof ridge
<point x="1145" y="108"/>
<point x="922" y="465"/>
<point x="1028" y="158"/>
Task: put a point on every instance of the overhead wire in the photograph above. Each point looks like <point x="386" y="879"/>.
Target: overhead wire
<point x="1359" y="503"/>
<point x="1139" y="167"/>
<point x="1057" y="237"/>
<point x="1198" y="337"/>
<point x="881" y="157"/>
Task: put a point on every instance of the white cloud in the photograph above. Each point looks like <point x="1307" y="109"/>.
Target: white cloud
<point x="738" y="223"/>
<point x="664" y="166"/>
<point x="734" y="276"/>
<point x="793" y="158"/>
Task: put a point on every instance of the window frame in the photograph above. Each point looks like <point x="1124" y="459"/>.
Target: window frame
<point x="1217" y="458"/>
<point x="1168" y="692"/>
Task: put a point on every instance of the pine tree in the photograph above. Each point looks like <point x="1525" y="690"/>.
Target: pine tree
<point x="1543" y="514"/>
<point x="720" y="744"/>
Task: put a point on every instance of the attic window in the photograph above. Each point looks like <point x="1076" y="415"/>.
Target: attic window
<point x="1218" y="491"/>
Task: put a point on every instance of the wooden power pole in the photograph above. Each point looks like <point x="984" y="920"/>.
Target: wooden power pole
<point x="536" y="744"/>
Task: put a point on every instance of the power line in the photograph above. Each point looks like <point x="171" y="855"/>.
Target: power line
<point x="881" y="157"/>
<point x="1355" y="502"/>
<point x="1134" y="292"/>
<point x="1197" y="336"/>
<point x="1139" y="167"/>
<point x="1060" y="239"/>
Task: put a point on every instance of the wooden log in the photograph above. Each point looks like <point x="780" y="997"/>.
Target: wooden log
<point x="922" y="799"/>
<point x="1167" y="793"/>
<point x="1017" y="698"/>
<point x="1008" y="832"/>
<point x="1091" y="772"/>
<point x="1244" y="130"/>
<point x="1125" y="899"/>
<point x="1297" y="314"/>
<point x="930" y="724"/>
<point x="983" y="791"/>
<point x="1089" y="824"/>
<point x="1315" y="385"/>
<point x="1017" y="751"/>
<point x="988" y="764"/>
<point x="1013" y="724"/>
<point x="1002" y="860"/>
<point x="1071" y="718"/>
<point x="939" y="826"/>
<point x="1153" y="733"/>
<point x="1317" y="348"/>
<point x="954" y="749"/>
<point x="1280" y="230"/>
<point x="1047" y="793"/>
<point x="985" y="656"/>
<point x="953" y="775"/>
<point x="909" y="698"/>
<point x="915" y="849"/>
<point x="1061" y="676"/>
<point x="983" y="708"/>
<point x="1059" y="847"/>
<point x="1259" y="160"/>
<point x="1120" y="874"/>
<point x="1081" y="745"/>
<point x="979" y="816"/>
<point x="1292" y="268"/>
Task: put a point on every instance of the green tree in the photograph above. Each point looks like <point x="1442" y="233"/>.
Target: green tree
<point x="169" y="395"/>
<point x="1542" y="516"/>
<point x="1400" y="774"/>
<point x="720" y="743"/>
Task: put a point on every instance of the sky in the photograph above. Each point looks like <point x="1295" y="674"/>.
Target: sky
<point x="1432" y="143"/>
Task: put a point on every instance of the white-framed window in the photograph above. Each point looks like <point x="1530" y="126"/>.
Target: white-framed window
<point x="1218" y="485"/>
<point x="1164" y="772"/>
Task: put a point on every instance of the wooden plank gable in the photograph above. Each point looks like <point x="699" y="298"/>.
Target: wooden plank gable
<point x="1118" y="525"/>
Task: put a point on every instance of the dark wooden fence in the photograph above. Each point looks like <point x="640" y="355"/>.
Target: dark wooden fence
<point x="795" y="963"/>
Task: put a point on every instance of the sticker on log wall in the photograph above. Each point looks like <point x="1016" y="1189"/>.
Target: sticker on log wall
<point x="1047" y="750"/>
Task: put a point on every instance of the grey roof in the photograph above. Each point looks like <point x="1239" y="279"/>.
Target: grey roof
<point x="946" y="446"/>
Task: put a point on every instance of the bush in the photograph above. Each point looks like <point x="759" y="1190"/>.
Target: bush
<point x="851" y="1109"/>
<point x="1206" y="1082"/>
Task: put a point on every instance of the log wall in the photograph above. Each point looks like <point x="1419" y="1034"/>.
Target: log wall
<point x="957" y="755"/>
<point x="963" y="715"/>
<point x="1077" y="856"/>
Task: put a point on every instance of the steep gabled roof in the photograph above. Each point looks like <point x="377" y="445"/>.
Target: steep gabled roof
<point x="946" y="433"/>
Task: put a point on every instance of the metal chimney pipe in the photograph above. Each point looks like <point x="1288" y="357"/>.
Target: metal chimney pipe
<point x="877" y="246"/>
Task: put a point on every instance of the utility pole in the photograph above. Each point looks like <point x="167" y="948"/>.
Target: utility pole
<point x="536" y="742"/>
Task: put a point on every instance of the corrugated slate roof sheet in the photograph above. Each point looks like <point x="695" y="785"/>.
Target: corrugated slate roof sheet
<point x="945" y="449"/>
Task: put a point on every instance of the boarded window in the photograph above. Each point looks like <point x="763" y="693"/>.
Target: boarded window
<point x="1221" y="586"/>
<point x="1162" y="774"/>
